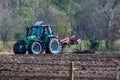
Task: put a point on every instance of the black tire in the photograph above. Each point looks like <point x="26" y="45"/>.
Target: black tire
<point x="53" y="46"/>
<point x="35" y="48"/>
<point x="19" y="48"/>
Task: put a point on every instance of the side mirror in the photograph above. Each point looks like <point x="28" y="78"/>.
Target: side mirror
<point x="27" y="30"/>
<point x="53" y="33"/>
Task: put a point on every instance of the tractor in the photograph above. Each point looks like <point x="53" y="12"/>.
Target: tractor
<point x="39" y="38"/>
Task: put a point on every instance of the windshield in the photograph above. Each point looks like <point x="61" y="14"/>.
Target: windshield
<point x="35" y="31"/>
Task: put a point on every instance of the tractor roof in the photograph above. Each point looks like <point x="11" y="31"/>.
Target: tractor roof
<point x="40" y="24"/>
<point x="46" y="25"/>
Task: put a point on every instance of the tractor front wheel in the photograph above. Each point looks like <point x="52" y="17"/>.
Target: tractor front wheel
<point x="53" y="46"/>
<point x="19" y="48"/>
<point x="35" y="48"/>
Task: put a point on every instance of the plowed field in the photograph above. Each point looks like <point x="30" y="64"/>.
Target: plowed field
<point x="57" y="67"/>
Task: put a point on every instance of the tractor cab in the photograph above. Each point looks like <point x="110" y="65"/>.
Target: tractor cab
<point x="40" y="31"/>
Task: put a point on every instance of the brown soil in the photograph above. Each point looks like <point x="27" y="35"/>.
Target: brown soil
<point x="6" y="50"/>
<point x="56" y="67"/>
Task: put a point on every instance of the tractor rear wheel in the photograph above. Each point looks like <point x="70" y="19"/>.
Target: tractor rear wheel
<point x="19" y="48"/>
<point x="53" y="46"/>
<point x="35" y="48"/>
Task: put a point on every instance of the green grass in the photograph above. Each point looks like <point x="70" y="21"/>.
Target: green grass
<point x="85" y="45"/>
<point x="9" y="43"/>
<point x="1" y="44"/>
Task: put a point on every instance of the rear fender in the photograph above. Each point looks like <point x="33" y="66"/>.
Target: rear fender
<point x="49" y="37"/>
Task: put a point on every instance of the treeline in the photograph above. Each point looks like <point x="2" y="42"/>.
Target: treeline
<point x="88" y="19"/>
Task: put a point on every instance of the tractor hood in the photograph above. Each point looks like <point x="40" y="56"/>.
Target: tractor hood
<point x="27" y="39"/>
